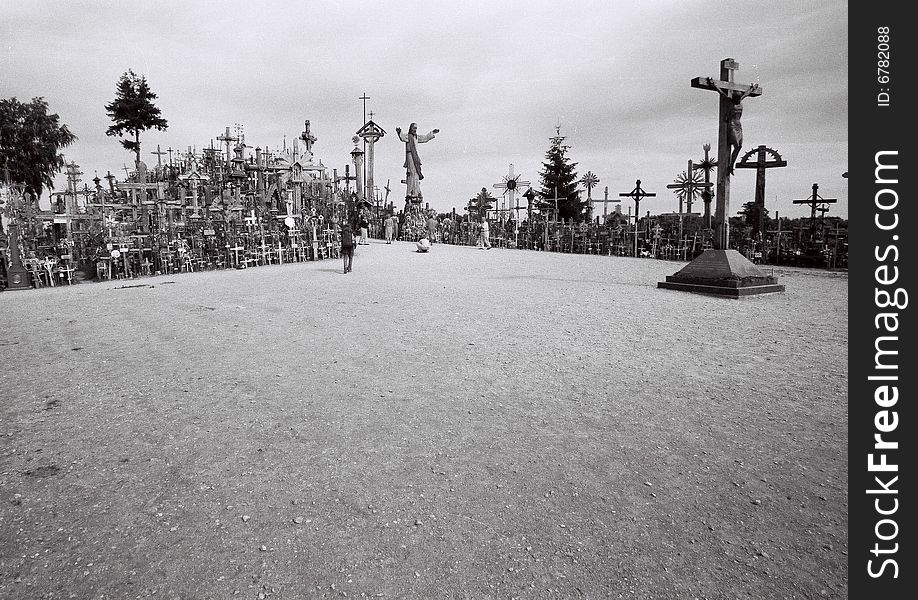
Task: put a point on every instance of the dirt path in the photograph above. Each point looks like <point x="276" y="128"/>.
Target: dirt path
<point x="457" y="424"/>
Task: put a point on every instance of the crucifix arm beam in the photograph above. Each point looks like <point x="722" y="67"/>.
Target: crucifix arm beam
<point x="716" y="85"/>
<point x="767" y="164"/>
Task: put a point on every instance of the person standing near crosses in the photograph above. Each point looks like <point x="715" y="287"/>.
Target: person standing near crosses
<point x="347" y="246"/>
<point x="364" y="224"/>
<point x="413" y="174"/>
<point x="432" y="225"/>
<point x="390" y="224"/>
<point x="484" y="237"/>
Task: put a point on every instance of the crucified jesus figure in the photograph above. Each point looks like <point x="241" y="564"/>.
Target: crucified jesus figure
<point x="733" y="118"/>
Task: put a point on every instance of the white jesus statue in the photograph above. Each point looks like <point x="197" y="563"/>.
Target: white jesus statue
<point x="412" y="161"/>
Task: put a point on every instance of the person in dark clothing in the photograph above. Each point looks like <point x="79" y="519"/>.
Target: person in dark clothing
<point x="347" y="246"/>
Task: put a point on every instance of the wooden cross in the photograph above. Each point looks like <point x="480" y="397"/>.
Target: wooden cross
<point x="707" y="165"/>
<point x="637" y="194"/>
<point x="510" y="184"/>
<point x="159" y="157"/>
<point x="308" y="138"/>
<point x="760" y="164"/>
<point x="819" y="203"/>
<point x="605" y="204"/>
<point x="729" y="138"/>
<point x="251" y="220"/>
<point x="364" y="98"/>
<point x="111" y="181"/>
<point x="227" y="139"/>
<point x="347" y="178"/>
<point x="777" y="233"/>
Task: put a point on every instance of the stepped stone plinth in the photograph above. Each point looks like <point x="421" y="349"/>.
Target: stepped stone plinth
<point x="722" y="273"/>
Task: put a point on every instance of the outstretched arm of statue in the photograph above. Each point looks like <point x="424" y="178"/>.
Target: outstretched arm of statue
<point x="428" y="136"/>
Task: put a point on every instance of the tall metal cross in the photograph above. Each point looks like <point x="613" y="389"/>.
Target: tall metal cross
<point x="707" y="165"/>
<point x="760" y="163"/>
<point x="637" y="194"/>
<point x="510" y="184"/>
<point x="816" y="202"/>
<point x="687" y="186"/>
<point x="729" y="134"/>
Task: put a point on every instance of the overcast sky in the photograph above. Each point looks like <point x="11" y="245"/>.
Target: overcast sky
<point x="495" y="78"/>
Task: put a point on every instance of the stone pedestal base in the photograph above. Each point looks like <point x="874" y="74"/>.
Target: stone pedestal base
<point x="18" y="278"/>
<point x="722" y="273"/>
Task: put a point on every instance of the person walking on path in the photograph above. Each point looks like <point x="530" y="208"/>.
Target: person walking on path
<point x="347" y="246"/>
<point x="390" y="223"/>
<point x="484" y="237"/>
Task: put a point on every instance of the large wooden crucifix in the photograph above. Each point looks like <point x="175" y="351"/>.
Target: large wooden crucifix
<point x="819" y="203"/>
<point x="637" y="194"/>
<point x="729" y="139"/>
<point x="760" y="164"/>
<point x="227" y="139"/>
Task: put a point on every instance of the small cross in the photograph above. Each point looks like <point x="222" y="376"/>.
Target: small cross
<point x="364" y="98"/>
<point x="816" y="202"/>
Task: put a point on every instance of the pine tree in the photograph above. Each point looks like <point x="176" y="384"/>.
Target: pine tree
<point x="558" y="173"/>
<point x="133" y="111"/>
<point x="30" y="143"/>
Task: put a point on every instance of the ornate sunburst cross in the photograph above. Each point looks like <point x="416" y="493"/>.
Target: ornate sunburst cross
<point x="510" y="184"/>
<point x="688" y="185"/>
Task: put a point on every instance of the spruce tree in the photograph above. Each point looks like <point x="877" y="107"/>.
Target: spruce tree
<point x="558" y="172"/>
<point x="133" y="111"/>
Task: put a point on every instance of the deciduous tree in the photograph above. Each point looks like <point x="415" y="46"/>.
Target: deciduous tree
<point x="30" y="143"/>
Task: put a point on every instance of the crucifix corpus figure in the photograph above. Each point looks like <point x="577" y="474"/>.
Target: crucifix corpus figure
<point x="733" y="116"/>
<point x="412" y="164"/>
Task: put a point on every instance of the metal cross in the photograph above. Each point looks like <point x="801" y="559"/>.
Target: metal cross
<point x="819" y="203"/>
<point x="637" y="194"/>
<point x="510" y="184"/>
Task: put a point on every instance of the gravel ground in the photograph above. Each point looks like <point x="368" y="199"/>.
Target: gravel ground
<point x="457" y="424"/>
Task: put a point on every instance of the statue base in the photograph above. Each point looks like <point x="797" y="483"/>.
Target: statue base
<point x="722" y="273"/>
<point x="18" y="278"/>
